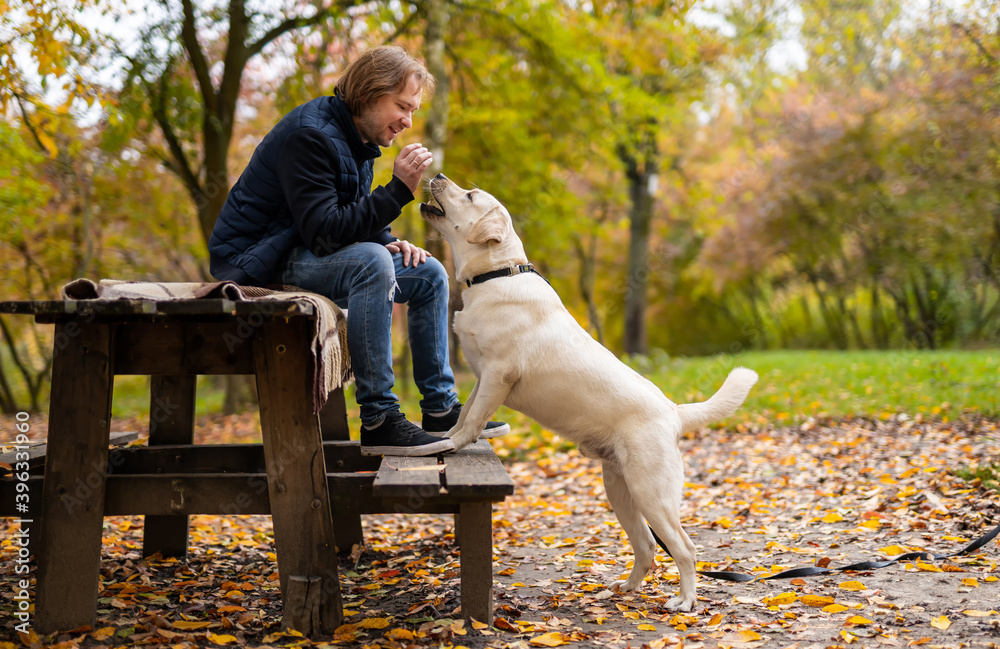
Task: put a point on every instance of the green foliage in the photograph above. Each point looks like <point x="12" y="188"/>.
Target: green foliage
<point x="796" y="386"/>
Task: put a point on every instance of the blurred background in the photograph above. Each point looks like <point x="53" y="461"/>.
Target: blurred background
<point x="696" y="179"/>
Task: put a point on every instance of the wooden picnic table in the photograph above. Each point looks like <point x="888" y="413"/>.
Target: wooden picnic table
<point x="316" y="479"/>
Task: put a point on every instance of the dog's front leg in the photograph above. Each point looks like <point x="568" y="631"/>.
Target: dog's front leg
<point x="486" y="398"/>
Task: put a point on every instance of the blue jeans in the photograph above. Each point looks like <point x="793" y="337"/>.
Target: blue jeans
<point x="365" y="278"/>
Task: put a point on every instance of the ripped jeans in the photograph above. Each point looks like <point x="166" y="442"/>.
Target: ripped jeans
<point x="365" y="278"/>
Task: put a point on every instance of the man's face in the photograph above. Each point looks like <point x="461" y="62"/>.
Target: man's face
<point x="389" y="115"/>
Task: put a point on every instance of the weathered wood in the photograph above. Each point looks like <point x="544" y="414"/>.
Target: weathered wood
<point x="475" y="541"/>
<point x="60" y="309"/>
<point x="341" y="456"/>
<point x="303" y="600"/>
<point x="476" y="472"/>
<point x="172" y="348"/>
<point x="293" y="449"/>
<point x="333" y="417"/>
<point x="228" y="494"/>
<point x="346" y="513"/>
<point x="401" y="477"/>
<point x="171" y="421"/>
<point x="69" y="542"/>
<point x="36" y="452"/>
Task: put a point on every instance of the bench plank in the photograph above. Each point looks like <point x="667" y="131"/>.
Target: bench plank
<point x="476" y="472"/>
<point x="401" y="477"/>
<point x="37" y="450"/>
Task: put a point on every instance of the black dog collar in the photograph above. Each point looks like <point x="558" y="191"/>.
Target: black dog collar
<point x="503" y="272"/>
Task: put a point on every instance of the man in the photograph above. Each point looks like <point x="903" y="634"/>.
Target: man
<point x="303" y="213"/>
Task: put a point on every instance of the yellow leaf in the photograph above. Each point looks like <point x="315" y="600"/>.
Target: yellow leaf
<point x="190" y="626"/>
<point x="834" y="608"/>
<point x="848" y="636"/>
<point x="928" y="567"/>
<point x="716" y="619"/>
<point x="852" y="585"/>
<point x="479" y="626"/>
<point x="632" y="615"/>
<point x="975" y="613"/>
<point x="374" y="623"/>
<point x="857" y="619"/>
<point x="941" y="623"/>
<point x="646" y="627"/>
<point x="550" y="639"/>
<point x="230" y="609"/>
<point x="778" y="600"/>
<point x="832" y="517"/>
<point x="871" y="524"/>
<point x="399" y="634"/>
<point x="221" y="639"/>
<point x="991" y="578"/>
<point x="894" y="550"/>
<point x="103" y="633"/>
<point x="749" y="636"/>
<point x="971" y="582"/>
<point x="816" y="601"/>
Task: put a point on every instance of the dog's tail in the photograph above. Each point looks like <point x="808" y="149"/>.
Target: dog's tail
<point x="721" y="404"/>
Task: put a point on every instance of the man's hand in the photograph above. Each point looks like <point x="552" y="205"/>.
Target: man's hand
<point x="410" y="252"/>
<point x="411" y="163"/>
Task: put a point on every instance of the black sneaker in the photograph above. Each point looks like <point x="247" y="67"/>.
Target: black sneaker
<point x="439" y="424"/>
<point x="398" y="436"/>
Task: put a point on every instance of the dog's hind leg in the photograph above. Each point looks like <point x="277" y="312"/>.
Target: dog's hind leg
<point x="660" y="501"/>
<point x="631" y="520"/>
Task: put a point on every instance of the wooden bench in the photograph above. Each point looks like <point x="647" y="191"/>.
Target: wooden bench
<point x="170" y="479"/>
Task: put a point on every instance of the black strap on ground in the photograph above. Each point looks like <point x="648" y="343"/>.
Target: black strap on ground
<point x="864" y="565"/>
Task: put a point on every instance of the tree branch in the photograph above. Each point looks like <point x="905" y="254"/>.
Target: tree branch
<point x="179" y="165"/>
<point x="297" y="22"/>
<point x="975" y="41"/>
<point x="189" y="37"/>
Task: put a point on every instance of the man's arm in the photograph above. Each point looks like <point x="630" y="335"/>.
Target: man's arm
<point x="307" y="173"/>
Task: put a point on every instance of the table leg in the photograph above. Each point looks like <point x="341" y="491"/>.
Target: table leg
<point x="346" y="514"/>
<point x="76" y="464"/>
<point x="171" y="421"/>
<point x="296" y="476"/>
<point x="475" y="539"/>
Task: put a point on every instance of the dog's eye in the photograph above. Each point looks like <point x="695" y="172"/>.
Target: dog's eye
<point x="469" y="196"/>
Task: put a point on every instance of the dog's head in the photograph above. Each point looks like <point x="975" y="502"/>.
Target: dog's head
<point x="476" y="225"/>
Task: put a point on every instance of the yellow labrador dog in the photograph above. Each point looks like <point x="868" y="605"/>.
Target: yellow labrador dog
<point x="530" y="354"/>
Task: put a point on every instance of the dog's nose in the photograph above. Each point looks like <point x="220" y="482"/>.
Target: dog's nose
<point x="440" y="177"/>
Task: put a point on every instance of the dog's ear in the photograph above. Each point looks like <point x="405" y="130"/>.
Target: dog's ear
<point x="492" y="227"/>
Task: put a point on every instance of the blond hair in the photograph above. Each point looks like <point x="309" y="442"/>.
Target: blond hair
<point x="378" y="72"/>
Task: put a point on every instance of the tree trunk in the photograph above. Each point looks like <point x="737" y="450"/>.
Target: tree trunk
<point x="436" y="138"/>
<point x="642" y="188"/>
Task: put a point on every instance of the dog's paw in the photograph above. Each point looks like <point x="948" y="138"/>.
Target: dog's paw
<point x="623" y="586"/>
<point x="462" y="438"/>
<point x="680" y="604"/>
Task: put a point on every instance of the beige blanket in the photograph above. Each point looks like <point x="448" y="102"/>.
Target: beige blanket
<point x="329" y="343"/>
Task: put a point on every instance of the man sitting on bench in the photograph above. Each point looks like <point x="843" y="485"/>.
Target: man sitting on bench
<point x="303" y="213"/>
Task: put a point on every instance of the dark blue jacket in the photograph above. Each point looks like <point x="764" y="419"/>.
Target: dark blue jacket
<point x="308" y="182"/>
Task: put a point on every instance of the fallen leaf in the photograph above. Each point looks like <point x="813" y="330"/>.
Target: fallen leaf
<point x="816" y="601"/>
<point x="941" y="623"/>
<point x="852" y="585"/>
<point x="834" y="608"/>
<point x="221" y="639"/>
<point x="550" y="639"/>
<point x="646" y="627"/>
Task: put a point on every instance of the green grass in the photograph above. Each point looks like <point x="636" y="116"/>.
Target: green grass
<point x="797" y="385"/>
